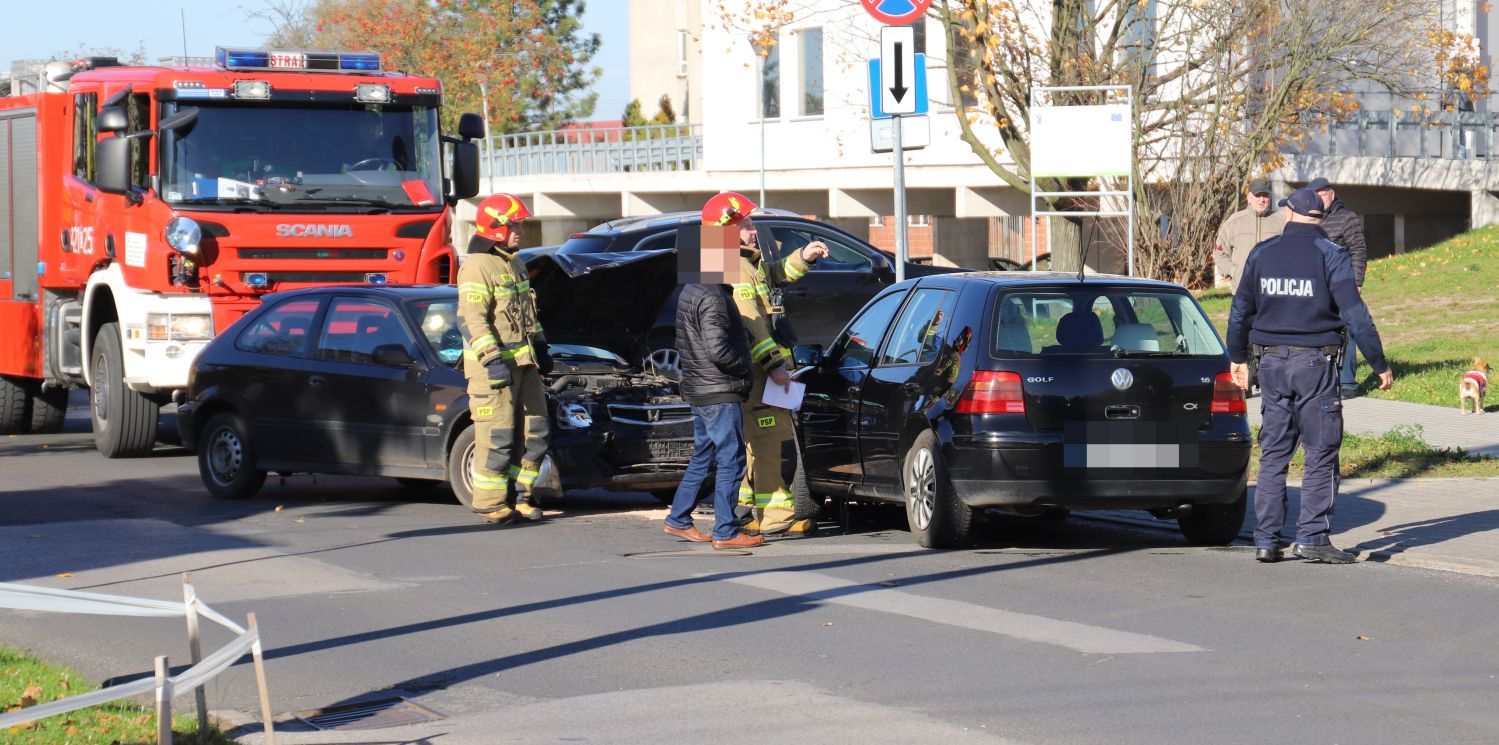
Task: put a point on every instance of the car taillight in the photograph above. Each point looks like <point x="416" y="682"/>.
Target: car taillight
<point x="1228" y="397"/>
<point x="993" y="392"/>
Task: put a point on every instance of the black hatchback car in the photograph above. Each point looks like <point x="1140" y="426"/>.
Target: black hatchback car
<point x="817" y="304"/>
<point x="364" y="380"/>
<point x="1032" y="393"/>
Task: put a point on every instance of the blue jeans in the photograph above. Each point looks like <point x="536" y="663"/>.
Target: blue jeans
<point x="718" y="440"/>
<point x="1299" y="404"/>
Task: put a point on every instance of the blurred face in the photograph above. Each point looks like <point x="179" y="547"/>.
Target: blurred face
<point x="1259" y="202"/>
<point x="517" y="232"/>
<point x="1327" y="196"/>
<point x="747" y="233"/>
<point x="718" y="258"/>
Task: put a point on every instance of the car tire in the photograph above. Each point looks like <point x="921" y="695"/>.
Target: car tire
<point x="1214" y="524"/>
<point x="226" y="458"/>
<point x="124" y="420"/>
<point x="49" y="408"/>
<point x="460" y="462"/>
<point x="807" y="504"/>
<point x="13" y="401"/>
<point x="938" y="519"/>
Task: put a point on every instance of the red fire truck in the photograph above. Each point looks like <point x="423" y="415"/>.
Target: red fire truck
<point x="144" y="209"/>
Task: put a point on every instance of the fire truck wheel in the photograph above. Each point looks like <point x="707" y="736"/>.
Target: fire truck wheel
<point x="226" y="460"/>
<point x="124" y="420"/>
<point x="13" y="400"/>
<point x="49" y="406"/>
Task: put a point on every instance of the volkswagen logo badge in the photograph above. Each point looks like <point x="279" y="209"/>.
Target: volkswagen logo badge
<point x="1122" y="379"/>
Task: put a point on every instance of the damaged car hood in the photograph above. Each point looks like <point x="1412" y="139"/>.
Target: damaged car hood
<point x="605" y="300"/>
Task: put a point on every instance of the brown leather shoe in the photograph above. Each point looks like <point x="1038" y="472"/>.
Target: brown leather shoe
<point x="741" y="540"/>
<point x="691" y="534"/>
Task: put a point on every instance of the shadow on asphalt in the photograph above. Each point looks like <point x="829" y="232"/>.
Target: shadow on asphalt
<point x="1396" y="539"/>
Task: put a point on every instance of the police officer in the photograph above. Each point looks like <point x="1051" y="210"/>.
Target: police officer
<point x="768" y="432"/>
<point x="1296" y="298"/>
<point x="504" y="357"/>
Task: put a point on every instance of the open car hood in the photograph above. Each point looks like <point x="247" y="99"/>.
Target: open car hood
<point x="605" y="300"/>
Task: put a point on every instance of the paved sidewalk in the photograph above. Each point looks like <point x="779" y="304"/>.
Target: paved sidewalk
<point x="1436" y="523"/>
<point x="1441" y="426"/>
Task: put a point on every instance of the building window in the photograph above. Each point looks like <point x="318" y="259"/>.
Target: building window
<point x="918" y="31"/>
<point x="770" y="84"/>
<point x="682" y="53"/>
<point x="876" y="221"/>
<point x="811" y="59"/>
<point x="918" y="221"/>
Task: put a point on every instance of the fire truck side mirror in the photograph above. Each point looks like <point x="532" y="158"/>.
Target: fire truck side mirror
<point x="465" y="170"/>
<point x="471" y="127"/>
<point x="111" y="119"/>
<point x="112" y="164"/>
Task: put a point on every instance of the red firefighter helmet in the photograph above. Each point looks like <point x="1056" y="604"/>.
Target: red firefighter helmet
<point x="496" y="214"/>
<point x="727" y="208"/>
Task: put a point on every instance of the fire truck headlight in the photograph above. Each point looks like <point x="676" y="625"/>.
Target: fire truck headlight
<point x="372" y="93"/>
<point x="179" y="326"/>
<point x="252" y="89"/>
<point x="183" y="235"/>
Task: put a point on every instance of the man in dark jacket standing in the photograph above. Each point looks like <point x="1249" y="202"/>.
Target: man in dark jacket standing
<point x="1345" y="228"/>
<point x="716" y="379"/>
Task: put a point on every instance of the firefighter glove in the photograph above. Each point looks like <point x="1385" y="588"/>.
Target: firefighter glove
<point x="544" y="362"/>
<point x="499" y="373"/>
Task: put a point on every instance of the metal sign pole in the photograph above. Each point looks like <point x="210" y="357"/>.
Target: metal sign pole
<point x="900" y="201"/>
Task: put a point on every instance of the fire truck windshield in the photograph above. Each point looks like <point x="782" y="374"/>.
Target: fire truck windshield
<point x="298" y="157"/>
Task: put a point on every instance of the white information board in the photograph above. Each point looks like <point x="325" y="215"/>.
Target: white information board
<point x="1081" y="141"/>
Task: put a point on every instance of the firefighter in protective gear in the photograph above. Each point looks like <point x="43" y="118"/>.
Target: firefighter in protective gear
<point x="769" y="435"/>
<point x="504" y="357"/>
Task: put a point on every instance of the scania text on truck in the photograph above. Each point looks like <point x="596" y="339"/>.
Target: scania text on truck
<point x="143" y="209"/>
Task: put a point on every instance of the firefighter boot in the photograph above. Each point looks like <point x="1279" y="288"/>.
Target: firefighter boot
<point x="500" y="516"/>
<point x="525" y="500"/>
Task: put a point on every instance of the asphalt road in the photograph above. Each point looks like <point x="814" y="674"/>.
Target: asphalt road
<point x="593" y="626"/>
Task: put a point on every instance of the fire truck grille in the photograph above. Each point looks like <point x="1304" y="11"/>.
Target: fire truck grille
<point x="276" y="278"/>
<point x="313" y="253"/>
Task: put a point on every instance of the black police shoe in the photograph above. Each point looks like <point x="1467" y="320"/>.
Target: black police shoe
<point x="1325" y="553"/>
<point x="1267" y="555"/>
<point x="1349" y="393"/>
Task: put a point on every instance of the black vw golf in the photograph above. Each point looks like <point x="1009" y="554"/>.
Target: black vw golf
<point x="1032" y="393"/>
<point x="364" y="380"/>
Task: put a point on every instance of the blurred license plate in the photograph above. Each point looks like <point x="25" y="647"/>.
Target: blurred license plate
<point x="670" y="450"/>
<point x="1129" y="445"/>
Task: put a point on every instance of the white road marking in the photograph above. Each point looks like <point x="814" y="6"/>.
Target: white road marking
<point x="1023" y="626"/>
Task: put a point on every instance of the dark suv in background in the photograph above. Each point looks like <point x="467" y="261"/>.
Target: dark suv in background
<point x="818" y="305"/>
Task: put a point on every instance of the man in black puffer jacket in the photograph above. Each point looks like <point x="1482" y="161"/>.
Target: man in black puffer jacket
<point x="1344" y="227"/>
<point x="716" y="380"/>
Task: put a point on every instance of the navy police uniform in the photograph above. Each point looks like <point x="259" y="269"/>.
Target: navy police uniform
<point x="1296" y="298"/>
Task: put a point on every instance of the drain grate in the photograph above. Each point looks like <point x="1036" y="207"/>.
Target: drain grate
<point x="376" y="714"/>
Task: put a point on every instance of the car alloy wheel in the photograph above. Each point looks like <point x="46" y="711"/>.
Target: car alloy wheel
<point x="921" y="489"/>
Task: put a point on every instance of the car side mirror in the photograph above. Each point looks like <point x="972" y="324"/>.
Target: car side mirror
<point x="392" y="355"/>
<point x="809" y="355"/>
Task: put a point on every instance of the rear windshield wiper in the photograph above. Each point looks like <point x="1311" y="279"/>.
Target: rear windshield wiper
<point x="1122" y="352"/>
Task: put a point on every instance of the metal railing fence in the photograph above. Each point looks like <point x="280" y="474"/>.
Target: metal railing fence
<point x="656" y="147"/>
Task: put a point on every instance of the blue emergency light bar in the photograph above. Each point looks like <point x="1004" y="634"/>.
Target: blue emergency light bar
<point x="261" y="59"/>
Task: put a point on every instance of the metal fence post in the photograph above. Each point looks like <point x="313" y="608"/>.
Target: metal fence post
<point x="195" y="648"/>
<point x="163" y="703"/>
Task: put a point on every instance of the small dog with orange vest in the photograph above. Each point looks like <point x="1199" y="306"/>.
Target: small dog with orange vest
<point x="1472" y="386"/>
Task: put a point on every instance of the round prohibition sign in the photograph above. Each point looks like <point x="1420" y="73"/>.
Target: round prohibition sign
<point x="896" y="12"/>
